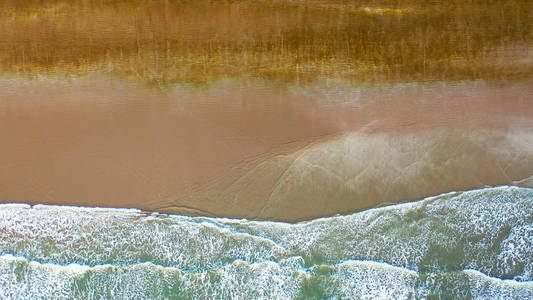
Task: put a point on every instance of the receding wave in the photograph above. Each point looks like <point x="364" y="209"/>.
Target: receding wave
<point x="474" y="244"/>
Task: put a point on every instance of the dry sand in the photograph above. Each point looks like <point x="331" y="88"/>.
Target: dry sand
<point x="255" y="150"/>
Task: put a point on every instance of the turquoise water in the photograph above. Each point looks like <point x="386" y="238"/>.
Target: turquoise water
<point x="470" y="245"/>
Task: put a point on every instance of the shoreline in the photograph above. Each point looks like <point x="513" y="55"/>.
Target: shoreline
<point x="148" y="213"/>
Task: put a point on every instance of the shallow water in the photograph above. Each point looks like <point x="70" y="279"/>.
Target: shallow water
<point x="462" y="245"/>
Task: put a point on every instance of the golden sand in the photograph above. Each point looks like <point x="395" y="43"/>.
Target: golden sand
<point x="255" y="150"/>
<point x="283" y="110"/>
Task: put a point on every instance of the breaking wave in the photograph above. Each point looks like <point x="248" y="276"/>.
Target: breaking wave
<point x="462" y="245"/>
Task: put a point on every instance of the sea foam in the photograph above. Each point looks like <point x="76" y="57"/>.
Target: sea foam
<point x="474" y="244"/>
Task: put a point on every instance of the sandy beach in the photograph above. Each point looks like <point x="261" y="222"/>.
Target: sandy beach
<point x="276" y="110"/>
<point x="266" y="149"/>
<point x="257" y="150"/>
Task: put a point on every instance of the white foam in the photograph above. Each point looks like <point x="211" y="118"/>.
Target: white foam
<point x="239" y="280"/>
<point x="484" y="287"/>
<point x="402" y="235"/>
<point x="14" y="205"/>
<point x="87" y="209"/>
<point x="23" y="279"/>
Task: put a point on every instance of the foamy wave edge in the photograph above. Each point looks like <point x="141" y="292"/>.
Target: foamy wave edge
<point x="290" y="258"/>
<point x="349" y="279"/>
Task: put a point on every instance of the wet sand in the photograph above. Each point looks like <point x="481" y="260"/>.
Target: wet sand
<point x="258" y="150"/>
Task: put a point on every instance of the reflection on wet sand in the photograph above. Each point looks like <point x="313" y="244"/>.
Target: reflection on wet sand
<point x="256" y="150"/>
